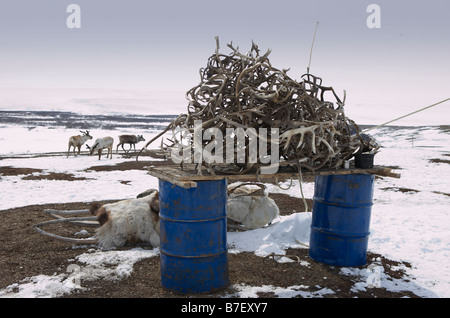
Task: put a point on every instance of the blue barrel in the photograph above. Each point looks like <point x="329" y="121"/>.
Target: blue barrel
<point x="193" y="235"/>
<point x="341" y="219"/>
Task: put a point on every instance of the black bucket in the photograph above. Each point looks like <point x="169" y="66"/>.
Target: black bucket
<point x="364" y="160"/>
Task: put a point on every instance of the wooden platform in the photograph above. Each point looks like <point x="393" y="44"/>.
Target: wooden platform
<point x="188" y="176"/>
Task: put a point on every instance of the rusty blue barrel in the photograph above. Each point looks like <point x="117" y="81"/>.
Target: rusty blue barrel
<point x="340" y="223"/>
<point x="193" y="235"/>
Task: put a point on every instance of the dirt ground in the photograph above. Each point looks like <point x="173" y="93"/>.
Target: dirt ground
<point x="25" y="253"/>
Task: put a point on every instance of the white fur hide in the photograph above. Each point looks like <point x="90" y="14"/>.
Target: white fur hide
<point x="253" y="211"/>
<point x="130" y="221"/>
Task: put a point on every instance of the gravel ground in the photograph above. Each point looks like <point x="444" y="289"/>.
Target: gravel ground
<point x="26" y="253"/>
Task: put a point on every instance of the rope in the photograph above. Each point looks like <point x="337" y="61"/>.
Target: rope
<point x="278" y="184"/>
<point x="300" y="181"/>
<point x="414" y="112"/>
<point x="312" y="45"/>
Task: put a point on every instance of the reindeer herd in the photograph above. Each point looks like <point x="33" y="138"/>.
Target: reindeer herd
<point x="102" y="143"/>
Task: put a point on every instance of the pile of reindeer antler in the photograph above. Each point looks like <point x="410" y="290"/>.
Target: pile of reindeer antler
<point x="246" y="91"/>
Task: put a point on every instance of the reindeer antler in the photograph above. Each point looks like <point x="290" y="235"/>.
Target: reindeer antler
<point x="246" y="91"/>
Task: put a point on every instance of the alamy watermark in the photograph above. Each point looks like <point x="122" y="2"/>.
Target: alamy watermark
<point x="374" y="19"/>
<point x="75" y="277"/>
<point x="241" y="145"/>
<point x="77" y="273"/>
<point x="374" y="278"/>
<point x="73" y="21"/>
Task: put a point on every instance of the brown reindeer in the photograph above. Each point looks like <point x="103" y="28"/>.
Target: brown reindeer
<point x="78" y="141"/>
<point x="132" y="140"/>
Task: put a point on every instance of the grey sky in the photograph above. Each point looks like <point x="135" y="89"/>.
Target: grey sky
<point x="162" y="44"/>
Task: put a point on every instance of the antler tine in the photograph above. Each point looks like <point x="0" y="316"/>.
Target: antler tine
<point x="64" y="238"/>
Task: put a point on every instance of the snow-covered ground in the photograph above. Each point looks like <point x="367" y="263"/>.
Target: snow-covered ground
<point x="410" y="226"/>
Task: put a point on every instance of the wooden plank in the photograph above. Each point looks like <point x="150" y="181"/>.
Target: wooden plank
<point x="388" y="174"/>
<point x="188" y="176"/>
<point x="163" y="175"/>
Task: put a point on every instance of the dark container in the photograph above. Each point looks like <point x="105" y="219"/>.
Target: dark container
<point x="193" y="235"/>
<point x="364" y="160"/>
<point x="341" y="219"/>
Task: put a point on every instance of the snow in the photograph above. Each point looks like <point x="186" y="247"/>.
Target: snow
<point x="244" y="291"/>
<point x="290" y="231"/>
<point x="108" y="265"/>
<point x="410" y="226"/>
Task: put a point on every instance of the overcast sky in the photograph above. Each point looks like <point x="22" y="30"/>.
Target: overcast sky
<point x="160" y="45"/>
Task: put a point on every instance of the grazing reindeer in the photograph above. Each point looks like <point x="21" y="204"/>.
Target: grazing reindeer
<point x="100" y="144"/>
<point x="129" y="139"/>
<point x="78" y="141"/>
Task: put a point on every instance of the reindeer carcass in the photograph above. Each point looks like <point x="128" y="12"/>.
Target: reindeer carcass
<point x="128" y="221"/>
<point x="124" y="222"/>
<point x="135" y="221"/>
